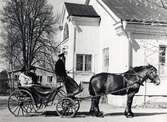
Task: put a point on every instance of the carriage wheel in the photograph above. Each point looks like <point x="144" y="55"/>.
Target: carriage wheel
<point x="59" y="95"/>
<point x="77" y="105"/>
<point x="21" y="103"/>
<point x="66" y="107"/>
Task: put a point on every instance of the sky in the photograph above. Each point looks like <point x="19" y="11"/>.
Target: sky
<point x="58" y="4"/>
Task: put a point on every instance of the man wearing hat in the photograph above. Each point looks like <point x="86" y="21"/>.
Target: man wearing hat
<point x="60" y="67"/>
<point x="70" y="84"/>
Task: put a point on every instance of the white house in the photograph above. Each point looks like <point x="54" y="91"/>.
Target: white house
<point x="113" y="35"/>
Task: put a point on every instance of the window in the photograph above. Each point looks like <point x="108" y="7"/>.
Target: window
<point x="162" y="54"/>
<point x="40" y="79"/>
<point x="66" y="32"/>
<point x="105" y="59"/>
<point x="16" y="77"/>
<point x="49" y="79"/>
<point x="84" y="62"/>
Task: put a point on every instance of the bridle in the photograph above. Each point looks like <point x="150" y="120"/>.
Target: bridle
<point x="139" y="79"/>
<point x="151" y="75"/>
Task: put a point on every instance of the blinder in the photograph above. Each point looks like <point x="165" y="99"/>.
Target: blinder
<point x="152" y="75"/>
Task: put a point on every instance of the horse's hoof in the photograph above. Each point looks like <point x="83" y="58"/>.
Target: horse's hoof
<point x="99" y="114"/>
<point x="91" y="112"/>
<point x="129" y="115"/>
<point x="125" y="113"/>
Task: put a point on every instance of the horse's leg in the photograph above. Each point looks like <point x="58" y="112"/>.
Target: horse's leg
<point x="128" y="112"/>
<point x="97" y="110"/>
<point x="92" y="108"/>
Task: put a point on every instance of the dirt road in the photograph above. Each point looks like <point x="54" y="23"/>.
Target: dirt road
<point x="111" y="113"/>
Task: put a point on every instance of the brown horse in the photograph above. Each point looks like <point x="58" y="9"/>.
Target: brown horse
<point x="127" y="83"/>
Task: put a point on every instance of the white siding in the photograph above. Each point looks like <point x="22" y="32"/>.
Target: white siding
<point x="118" y="45"/>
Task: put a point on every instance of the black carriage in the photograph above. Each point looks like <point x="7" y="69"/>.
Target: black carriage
<point x="30" y="99"/>
<point x="27" y="100"/>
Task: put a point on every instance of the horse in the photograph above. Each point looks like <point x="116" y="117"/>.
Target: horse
<point x="127" y="83"/>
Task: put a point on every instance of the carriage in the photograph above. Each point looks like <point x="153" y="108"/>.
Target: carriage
<point x="27" y="100"/>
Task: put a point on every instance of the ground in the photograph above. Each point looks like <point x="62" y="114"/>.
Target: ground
<point x="111" y="113"/>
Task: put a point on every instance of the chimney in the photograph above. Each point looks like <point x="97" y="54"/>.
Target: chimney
<point x="87" y="2"/>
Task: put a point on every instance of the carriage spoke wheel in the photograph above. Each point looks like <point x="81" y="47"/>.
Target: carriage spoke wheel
<point x="66" y="107"/>
<point x="21" y="103"/>
<point x="59" y="95"/>
<point x="77" y="105"/>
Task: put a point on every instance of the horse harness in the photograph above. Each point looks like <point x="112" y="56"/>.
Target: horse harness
<point x="139" y="80"/>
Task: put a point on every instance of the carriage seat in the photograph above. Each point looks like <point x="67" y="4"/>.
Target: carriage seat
<point x="42" y="90"/>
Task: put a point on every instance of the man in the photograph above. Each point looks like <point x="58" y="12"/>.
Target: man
<point x="60" y="68"/>
<point x="70" y="85"/>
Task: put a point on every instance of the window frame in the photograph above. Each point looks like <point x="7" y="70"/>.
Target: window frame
<point x="84" y="63"/>
<point x="106" y="59"/>
<point x="66" y="32"/>
<point x="49" y="79"/>
<point x="162" y="57"/>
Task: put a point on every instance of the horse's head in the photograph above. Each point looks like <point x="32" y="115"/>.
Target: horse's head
<point x="152" y="74"/>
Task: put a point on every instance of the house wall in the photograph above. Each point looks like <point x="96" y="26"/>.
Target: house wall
<point x="81" y="41"/>
<point x="118" y="44"/>
<point x="88" y="43"/>
<point x="45" y="75"/>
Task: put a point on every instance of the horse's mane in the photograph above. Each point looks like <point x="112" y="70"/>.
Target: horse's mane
<point x="137" y="69"/>
<point x="140" y="68"/>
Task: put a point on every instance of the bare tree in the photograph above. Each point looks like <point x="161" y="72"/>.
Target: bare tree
<point x="29" y="28"/>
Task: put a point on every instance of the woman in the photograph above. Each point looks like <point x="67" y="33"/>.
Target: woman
<point x="24" y="79"/>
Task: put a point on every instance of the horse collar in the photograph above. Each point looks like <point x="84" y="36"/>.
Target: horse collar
<point x="140" y="79"/>
<point x="140" y="83"/>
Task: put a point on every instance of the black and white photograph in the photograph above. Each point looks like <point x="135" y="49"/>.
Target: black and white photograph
<point x="83" y="60"/>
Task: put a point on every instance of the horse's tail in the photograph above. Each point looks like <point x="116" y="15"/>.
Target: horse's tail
<point x="91" y="90"/>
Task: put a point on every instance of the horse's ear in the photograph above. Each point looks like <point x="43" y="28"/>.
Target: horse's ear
<point x="149" y="65"/>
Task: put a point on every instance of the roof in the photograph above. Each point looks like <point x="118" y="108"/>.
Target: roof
<point x="80" y="10"/>
<point x="138" y="10"/>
